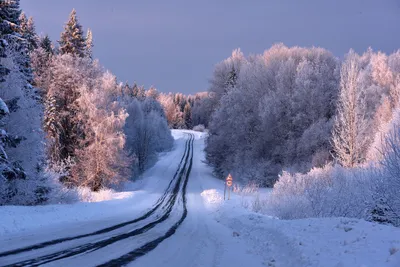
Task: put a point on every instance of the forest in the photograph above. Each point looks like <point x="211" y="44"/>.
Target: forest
<point x="66" y="122"/>
<point x="322" y="131"/>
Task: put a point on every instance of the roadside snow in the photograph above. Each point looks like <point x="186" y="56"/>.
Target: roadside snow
<point x="18" y="219"/>
<point x="134" y="198"/>
<point x="308" y="242"/>
<point x="226" y="233"/>
<point x="212" y="198"/>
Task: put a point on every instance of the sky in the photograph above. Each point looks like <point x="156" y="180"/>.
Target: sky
<point x="175" y="44"/>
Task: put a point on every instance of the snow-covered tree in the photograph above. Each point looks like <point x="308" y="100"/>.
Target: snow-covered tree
<point x="89" y="44"/>
<point x="226" y="74"/>
<point x="46" y="44"/>
<point x="152" y="92"/>
<point x="146" y="133"/>
<point x="187" y="116"/>
<point x="9" y="172"/>
<point x="167" y="102"/>
<point x="72" y="40"/>
<point x="349" y="139"/>
<point x="41" y="63"/>
<point x="62" y="125"/>
<point x="28" y="32"/>
<point x="278" y="114"/>
<point x="9" y="14"/>
<point x="22" y="126"/>
<point x="202" y="109"/>
<point x="101" y="160"/>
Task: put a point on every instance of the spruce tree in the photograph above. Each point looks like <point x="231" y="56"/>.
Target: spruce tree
<point x="8" y="170"/>
<point x="23" y="142"/>
<point x="89" y="44"/>
<point x="72" y="40"/>
<point x="28" y="32"/>
<point x="9" y="20"/>
<point x="46" y="44"/>
<point x="187" y="116"/>
<point x="9" y="14"/>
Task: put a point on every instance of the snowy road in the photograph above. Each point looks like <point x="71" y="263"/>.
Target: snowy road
<point x="174" y="232"/>
<point x="177" y="218"/>
<point x="118" y="244"/>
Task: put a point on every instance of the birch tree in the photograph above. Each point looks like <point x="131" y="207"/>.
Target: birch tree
<point x="349" y="140"/>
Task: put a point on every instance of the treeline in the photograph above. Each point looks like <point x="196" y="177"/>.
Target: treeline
<point x="65" y="122"/>
<point x="289" y="110"/>
<point x="183" y="111"/>
<point x="273" y="111"/>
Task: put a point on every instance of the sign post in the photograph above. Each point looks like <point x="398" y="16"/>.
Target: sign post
<point x="228" y="183"/>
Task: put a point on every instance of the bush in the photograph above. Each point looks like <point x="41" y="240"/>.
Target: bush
<point x="331" y="191"/>
<point x="388" y="186"/>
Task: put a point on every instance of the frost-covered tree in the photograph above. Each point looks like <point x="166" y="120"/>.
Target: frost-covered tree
<point x="62" y="125"/>
<point x="168" y="104"/>
<point x="22" y="126"/>
<point x="89" y="44"/>
<point x="28" y="32"/>
<point x="146" y="133"/>
<point x="349" y="139"/>
<point x="101" y="160"/>
<point x="46" y="44"/>
<point x="9" y="171"/>
<point x="202" y="109"/>
<point x="388" y="183"/>
<point x="226" y="74"/>
<point x="152" y="92"/>
<point x="72" y="40"/>
<point x="9" y="14"/>
<point x="187" y="116"/>
<point x="278" y="115"/>
<point x="10" y="35"/>
<point x="41" y="60"/>
<point x="41" y="63"/>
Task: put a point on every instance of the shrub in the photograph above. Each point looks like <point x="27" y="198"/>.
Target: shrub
<point x="331" y="191"/>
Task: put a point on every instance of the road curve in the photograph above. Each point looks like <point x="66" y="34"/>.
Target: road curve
<point x="161" y="211"/>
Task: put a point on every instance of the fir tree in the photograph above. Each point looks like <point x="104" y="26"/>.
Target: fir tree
<point x="72" y="40"/>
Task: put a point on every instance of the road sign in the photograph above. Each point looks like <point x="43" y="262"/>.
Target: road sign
<point x="229" y="180"/>
<point x="228" y="183"/>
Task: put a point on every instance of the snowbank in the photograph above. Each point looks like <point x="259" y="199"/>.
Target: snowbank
<point x="304" y="242"/>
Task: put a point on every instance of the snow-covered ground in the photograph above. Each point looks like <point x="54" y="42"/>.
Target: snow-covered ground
<point x="215" y="232"/>
<point x="307" y="242"/>
<point x="20" y="220"/>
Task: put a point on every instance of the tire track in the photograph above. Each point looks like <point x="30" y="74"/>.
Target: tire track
<point x="143" y="250"/>
<point x="104" y="230"/>
<point x="90" y="247"/>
